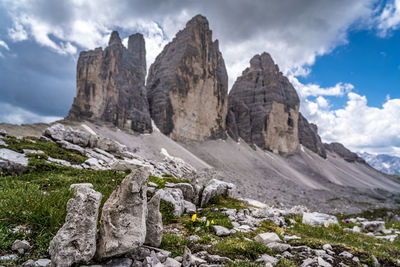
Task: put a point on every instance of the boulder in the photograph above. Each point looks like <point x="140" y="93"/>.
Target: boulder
<point x="59" y="132"/>
<point x="21" y="246"/>
<point x="76" y="240"/>
<point x="69" y="146"/>
<point x="170" y="262"/>
<point x="12" y="162"/>
<point x="267" y="259"/>
<point x="154" y="225"/>
<point x="318" y="219"/>
<point x="221" y="231"/>
<point x="43" y="263"/>
<point x="123" y="219"/>
<point x="187" y="189"/>
<point x="111" y="85"/>
<point x="373" y="226"/>
<point x="216" y="188"/>
<point x="3" y="132"/>
<point x="264" y="108"/>
<point x="279" y="247"/>
<point x="266" y="238"/>
<point x="174" y="196"/>
<point x="187" y="85"/>
<point x="119" y="262"/>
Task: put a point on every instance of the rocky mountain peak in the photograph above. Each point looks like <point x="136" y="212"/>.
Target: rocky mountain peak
<point x="111" y="85"/>
<point x="114" y="39"/>
<point x="264" y="107"/>
<point x="187" y="85"/>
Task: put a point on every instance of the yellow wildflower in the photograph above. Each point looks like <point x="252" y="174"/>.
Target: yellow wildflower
<point x="212" y="221"/>
<point x="208" y="223"/>
<point x="194" y="217"/>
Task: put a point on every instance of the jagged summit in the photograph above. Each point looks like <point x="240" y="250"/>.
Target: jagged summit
<point x="264" y="107"/>
<point x="111" y="85"/>
<point x="114" y="39"/>
<point x="187" y="85"/>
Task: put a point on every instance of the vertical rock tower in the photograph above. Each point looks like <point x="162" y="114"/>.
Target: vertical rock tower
<point x="187" y="85"/>
<point x="111" y="85"/>
<point x="264" y="107"/>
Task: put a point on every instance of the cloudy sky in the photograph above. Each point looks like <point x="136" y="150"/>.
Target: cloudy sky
<point x="342" y="56"/>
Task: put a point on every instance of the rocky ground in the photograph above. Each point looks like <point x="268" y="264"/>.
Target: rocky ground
<point x="65" y="199"/>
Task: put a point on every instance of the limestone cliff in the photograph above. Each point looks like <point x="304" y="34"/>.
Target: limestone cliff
<point x="111" y="85"/>
<point x="308" y="136"/>
<point x="187" y="85"/>
<point x="343" y="152"/>
<point x="264" y="107"/>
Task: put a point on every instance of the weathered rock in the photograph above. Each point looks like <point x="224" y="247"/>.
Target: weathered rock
<point x="69" y="146"/>
<point x="154" y="225"/>
<point x="308" y="136"/>
<point x="267" y="259"/>
<point x="343" y="152"/>
<point x="280" y="247"/>
<point x="373" y="226"/>
<point x="170" y="262"/>
<point x="3" y="132"/>
<point x="187" y="189"/>
<point x="323" y="263"/>
<point x="187" y="257"/>
<point x="76" y="240"/>
<point x="107" y="144"/>
<point x="318" y="219"/>
<point x="29" y="263"/>
<point x="2" y="143"/>
<point x="189" y="207"/>
<point x="187" y="85"/>
<point x="59" y="132"/>
<point x="216" y="188"/>
<point x="21" y="246"/>
<point x="119" y="262"/>
<point x="264" y="107"/>
<point x="42" y="263"/>
<point x="110" y="85"/>
<point x="266" y="238"/>
<point x="174" y="196"/>
<point x="12" y="162"/>
<point x="123" y="219"/>
<point x="221" y="231"/>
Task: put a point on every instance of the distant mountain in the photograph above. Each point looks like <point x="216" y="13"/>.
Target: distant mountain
<point x="384" y="163"/>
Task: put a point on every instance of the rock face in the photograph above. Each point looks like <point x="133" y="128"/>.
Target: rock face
<point x="76" y="240"/>
<point x="12" y="162"/>
<point x="123" y="219"/>
<point x="187" y="85"/>
<point x="264" y="107"/>
<point x="308" y="136"/>
<point x="111" y="85"/>
<point x="154" y="226"/>
<point x="343" y="152"/>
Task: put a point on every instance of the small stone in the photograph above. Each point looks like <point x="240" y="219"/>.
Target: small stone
<point x="43" y="263"/>
<point x="20" y="246"/>
<point x="356" y="259"/>
<point x="307" y="262"/>
<point x="319" y="219"/>
<point x="323" y="263"/>
<point x="29" y="263"/>
<point x="170" y="262"/>
<point x="9" y="257"/>
<point x="221" y="231"/>
<point x="194" y="238"/>
<point x="267" y="238"/>
<point x="280" y="247"/>
<point x="119" y="262"/>
<point x="376" y="262"/>
<point x="327" y="247"/>
<point x="356" y="229"/>
<point x="346" y="254"/>
<point x="373" y="226"/>
<point x="267" y="259"/>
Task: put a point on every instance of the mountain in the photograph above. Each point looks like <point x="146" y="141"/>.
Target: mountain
<point x="187" y="85"/>
<point x="110" y="85"/>
<point x="384" y="163"/>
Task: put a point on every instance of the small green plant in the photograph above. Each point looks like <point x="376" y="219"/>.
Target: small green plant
<point x="174" y="244"/>
<point x="166" y="179"/>
<point x="167" y="211"/>
<point x="226" y="202"/>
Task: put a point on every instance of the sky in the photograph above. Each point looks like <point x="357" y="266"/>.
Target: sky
<point x="342" y="56"/>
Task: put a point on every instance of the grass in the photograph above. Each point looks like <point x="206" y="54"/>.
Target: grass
<point x="361" y="245"/>
<point x="167" y="211"/>
<point x="50" y="149"/>
<point x="166" y="179"/>
<point x="226" y="202"/>
<point x="175" y="244"/>
<point x="238" y="248"/>
<point x="38" y="198"/>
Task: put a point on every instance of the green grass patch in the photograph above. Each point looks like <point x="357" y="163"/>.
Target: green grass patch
<point x="237" y="248"/>
<point x="174" y="244"/>
<point x="167" y="211"/>
<point x="49" y="148"/>
<point x="286" y="263"/>
<point x="166" y="179"/>
<point x="37" y="199"/>
<point x="359" y="244"/>
<point x="226" y="202"/>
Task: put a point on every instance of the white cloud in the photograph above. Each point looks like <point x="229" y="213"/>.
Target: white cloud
<point x="17" y="33"/>
<point x="358" y="126"/>
<point x="16" y="115"/>
<point x="4" y="45"/>
<point x="389" y="19"/>
<point x="306" y="90"/>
